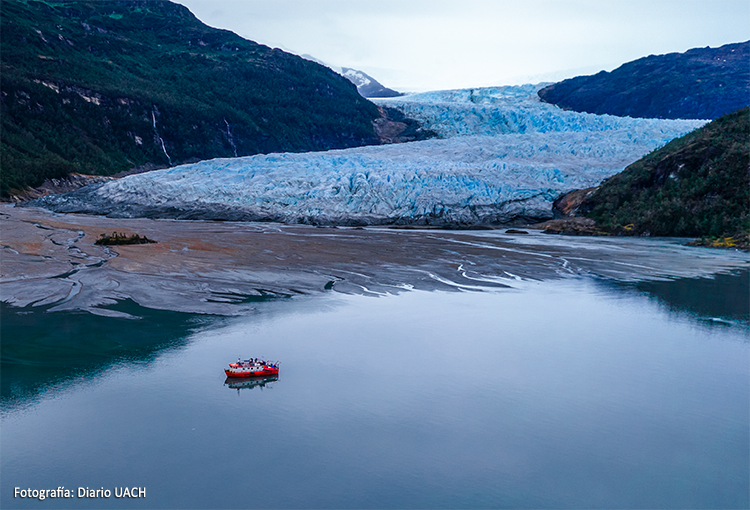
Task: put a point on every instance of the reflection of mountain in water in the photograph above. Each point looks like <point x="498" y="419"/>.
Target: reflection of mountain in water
<point x="724" y="297"/>
<point x="248" y="382"/>
<point x="45" y="350"/>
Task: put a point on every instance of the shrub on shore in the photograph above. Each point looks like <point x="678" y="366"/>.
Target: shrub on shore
<point x="118" y="239"/>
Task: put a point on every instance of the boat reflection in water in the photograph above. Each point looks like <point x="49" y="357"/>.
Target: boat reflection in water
<point x="249" y="382"/>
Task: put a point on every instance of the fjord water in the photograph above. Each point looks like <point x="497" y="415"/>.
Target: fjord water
<point x="576" y="392"/>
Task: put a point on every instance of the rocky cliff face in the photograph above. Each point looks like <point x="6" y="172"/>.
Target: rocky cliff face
<point x="103" y="87"/>
<point x="702" y="83"/>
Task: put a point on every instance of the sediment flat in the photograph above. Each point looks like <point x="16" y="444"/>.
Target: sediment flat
<point x="224" y="267"/>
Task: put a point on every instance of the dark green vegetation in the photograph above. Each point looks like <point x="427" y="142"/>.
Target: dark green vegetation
<point x="696" y="185"/>
<point x="118" y="239"/>
<point x="103" y="87"/>
<point x="702" y="83"/>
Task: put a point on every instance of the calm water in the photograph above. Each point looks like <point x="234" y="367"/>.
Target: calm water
<point x="558" y="394"/>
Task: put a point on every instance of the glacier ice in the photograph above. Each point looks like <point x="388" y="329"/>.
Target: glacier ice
<point x="504" y="155"/>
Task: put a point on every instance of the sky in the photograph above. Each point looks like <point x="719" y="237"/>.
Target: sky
<point x="420" y="45"/>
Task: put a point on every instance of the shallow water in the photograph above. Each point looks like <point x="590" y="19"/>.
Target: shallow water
<point x="576" y="392"/>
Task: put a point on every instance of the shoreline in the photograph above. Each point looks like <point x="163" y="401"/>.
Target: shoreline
<point x="222" y="268"/>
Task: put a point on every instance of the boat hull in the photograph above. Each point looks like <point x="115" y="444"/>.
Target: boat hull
<point x="251" y="373"/>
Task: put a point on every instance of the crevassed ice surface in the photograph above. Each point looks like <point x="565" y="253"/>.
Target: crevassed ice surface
<point x="504" y="155"/>
<point x="515" y="109"/>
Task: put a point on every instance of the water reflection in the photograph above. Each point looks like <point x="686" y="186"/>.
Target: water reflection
<point x="249" y="382"/>
<point x="723" y="299"/>
<point x="41" y="351"/>
<point x="579" y="396"/>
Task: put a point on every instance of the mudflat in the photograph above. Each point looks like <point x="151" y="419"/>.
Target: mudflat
<point x="224" y="267"/>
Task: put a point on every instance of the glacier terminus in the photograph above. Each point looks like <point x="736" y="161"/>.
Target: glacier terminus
<point x="503" y="156"/>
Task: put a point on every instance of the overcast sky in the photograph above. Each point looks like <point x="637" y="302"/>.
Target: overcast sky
<point x="417" y="45"/>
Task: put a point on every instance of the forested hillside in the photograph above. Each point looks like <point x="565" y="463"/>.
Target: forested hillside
<point x="696" y="185"/>
<point x="702" y="83"/>
<point x="102" y="87"/>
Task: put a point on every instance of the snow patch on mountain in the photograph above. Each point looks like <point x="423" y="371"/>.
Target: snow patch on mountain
<point x="358" y="78"/>
<point x="367" y="86"/>
<point x="505" y="156"/>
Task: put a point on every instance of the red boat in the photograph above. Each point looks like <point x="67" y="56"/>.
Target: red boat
<point x="252" y="368"/>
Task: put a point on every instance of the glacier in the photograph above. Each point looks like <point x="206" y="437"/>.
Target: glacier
<point x="503" y="156"/>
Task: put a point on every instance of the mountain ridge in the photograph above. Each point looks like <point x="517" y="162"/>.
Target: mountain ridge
<point x="701" y="83"/>
<point x="367" y="86"/>
<point x="101" y="88"/>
